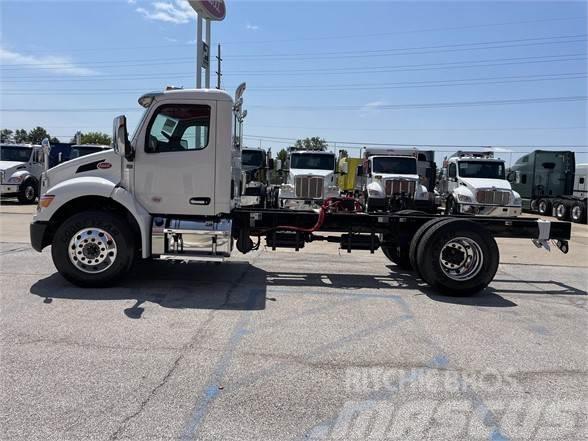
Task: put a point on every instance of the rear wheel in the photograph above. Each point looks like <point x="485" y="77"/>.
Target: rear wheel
<point x="416" y="239"/>
<point x="457" y="257"/>
<point x="93" y="248"/>
<point x="562" y="211"/>
<point x="578" y="212"/>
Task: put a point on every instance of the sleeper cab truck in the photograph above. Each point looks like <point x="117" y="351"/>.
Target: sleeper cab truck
<point x="551" y="184"/>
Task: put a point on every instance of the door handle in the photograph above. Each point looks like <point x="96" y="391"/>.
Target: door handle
<point x="199" y="201"/>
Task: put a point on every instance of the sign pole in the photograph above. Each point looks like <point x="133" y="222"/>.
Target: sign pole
<point x="199" y="52"/>
<point x="207" y="67"/>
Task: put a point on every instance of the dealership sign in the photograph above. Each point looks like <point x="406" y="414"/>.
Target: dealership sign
<point x="209" y="9"/>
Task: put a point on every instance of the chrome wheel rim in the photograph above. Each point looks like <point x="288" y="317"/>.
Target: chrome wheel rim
<point x="29" y="193"/>
<point x="92" y="250"/>
<point x="561" y="209"/>
<point x="576" y="212"/>
<point x="542" y="207"/>
<point x="461" y="258"/>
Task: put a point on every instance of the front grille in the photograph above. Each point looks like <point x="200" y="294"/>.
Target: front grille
<point x="396" y="187"/>
<point x="493" y="197"/>
<point x="309" y="187"/>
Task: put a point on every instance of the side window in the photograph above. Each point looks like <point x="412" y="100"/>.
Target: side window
<point x="38" y="155"/>
<point x="452" y="171"/>
<point x="581" y="180"/>
<point x="178" y="128"/>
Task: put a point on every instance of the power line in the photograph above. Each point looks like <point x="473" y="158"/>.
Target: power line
<point x="332" y="71"/>
<point x="329" y="55"/>
<point x="538" y="100"/>
<point x="400" y="85"/>
<point x="421" y="129"/>
<point x="404" y="144"/>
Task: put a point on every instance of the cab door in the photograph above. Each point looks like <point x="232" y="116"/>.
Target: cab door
<point x="175" y="162"/>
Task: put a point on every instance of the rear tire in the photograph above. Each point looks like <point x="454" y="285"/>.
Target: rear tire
<point x="578" y="213"/>
<point x="416" y="240"/>
<point x="458" y="257"/>
<point x="562" y="210"/>
<point x="93" y="248"/>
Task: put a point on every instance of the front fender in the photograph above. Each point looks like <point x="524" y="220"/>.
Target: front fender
<point x="71" y="189"/>
<point x="143" y="218"/>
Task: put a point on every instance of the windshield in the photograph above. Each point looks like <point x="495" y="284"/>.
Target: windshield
<point x="13" y="153"/>
<point x="252" y="158"/>
<point x="313" y="161"/>
<point x="481" y="169"/>
<point x="395" y="165"/>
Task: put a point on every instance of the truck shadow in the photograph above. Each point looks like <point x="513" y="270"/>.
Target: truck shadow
<point x="242" y="286"/>
<point x="231" y="286"/>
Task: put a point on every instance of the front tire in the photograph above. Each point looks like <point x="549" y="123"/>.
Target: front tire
<point x="28" y="192"/>
<point x="93" y="248"/>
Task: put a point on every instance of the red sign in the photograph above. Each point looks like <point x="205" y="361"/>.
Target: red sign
<point x="210" y="9"/>
<point x="104" y="165"/>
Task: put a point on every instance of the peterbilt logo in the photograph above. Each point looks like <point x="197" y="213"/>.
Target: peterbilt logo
<point x="104" y="165"/>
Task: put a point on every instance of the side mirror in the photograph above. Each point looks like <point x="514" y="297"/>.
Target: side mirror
<point x="120" y="138"/>
<point x="360" y="170"/>
<point x="278" y="164"/>
<point x="270" y="164"/>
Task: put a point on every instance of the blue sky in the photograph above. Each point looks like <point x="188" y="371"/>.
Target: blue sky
<point x="347" y="71"/>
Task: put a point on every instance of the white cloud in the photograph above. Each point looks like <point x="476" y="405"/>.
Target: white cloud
<point x="178" y="12"/>
<point x="251" y="27"/>
<point x="47" y="63"/>
<point x="131" y="2"/>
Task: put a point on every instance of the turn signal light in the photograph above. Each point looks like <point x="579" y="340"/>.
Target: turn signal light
<point x="45" y="201"/>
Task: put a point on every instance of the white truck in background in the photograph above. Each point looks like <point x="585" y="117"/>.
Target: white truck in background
<point x="311" y="179"/>
<point x="475" y="183"/>
<point x="21" y="166"/>
<point x="397" y="179"/>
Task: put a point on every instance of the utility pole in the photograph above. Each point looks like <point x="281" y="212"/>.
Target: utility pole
<point x="218" y="67"/>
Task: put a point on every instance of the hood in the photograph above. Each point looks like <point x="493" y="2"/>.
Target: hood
<point x="309" y="172"/>
<point x="87" y="166"/>
<point x="5" y="165"/>
<point x="483" y="183"/>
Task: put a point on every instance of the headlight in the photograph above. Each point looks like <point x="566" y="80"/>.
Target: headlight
<point x="517" y="202"/>
<point x="15" y="180"/>
<point x="373" y="192"/>
<point x="464" y="198"/>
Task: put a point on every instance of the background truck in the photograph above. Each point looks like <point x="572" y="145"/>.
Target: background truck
<point x="396" y="179"/>
<point x="21" y="166"/>
<point x="310" y="180"/>
<point x="61" y="152"/>
<point x="172" y="193"/>
<point x="475" y="183"/>
<point x="550" y="184"/>
<point x="256" y="166"/>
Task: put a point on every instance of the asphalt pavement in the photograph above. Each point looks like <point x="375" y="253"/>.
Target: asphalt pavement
<point x="318" y="344"/>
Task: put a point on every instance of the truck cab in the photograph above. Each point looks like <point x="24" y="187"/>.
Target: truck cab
<point x="391" y="180"/>
<point x="21" y="166"/>
<point x="475" y="183"/>
<point x="311" y="179"/>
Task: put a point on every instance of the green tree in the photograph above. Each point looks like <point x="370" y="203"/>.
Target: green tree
<point x="282" y="155"/>
<point x="21" y="136"/>
<point x="314" y="143"/>
<point x="95" y="138"/>
<point x="6" y="135"/>
<point x="54" y="140"/>
<point x="37" y="135"/>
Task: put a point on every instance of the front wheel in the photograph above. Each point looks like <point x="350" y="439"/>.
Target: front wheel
<point x="93" y="248"/>
<point x="28" y="192"/>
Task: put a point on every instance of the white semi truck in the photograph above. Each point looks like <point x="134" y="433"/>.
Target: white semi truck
<point x="475" y="183"/>
<point x="172" y="193"/>
<point x="396" y="179"/>
<point x="311" y="179"/>
<point x="21" y="166"/>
